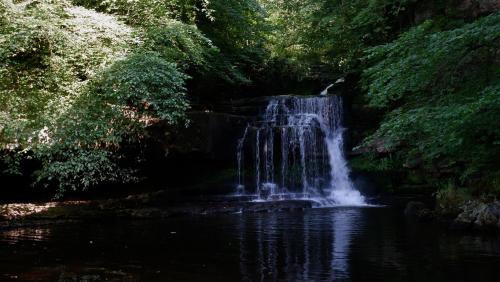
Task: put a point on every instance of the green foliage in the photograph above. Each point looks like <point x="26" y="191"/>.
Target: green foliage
<point x="370" y="162"/>
<point x="450" y="198"/>
<point x="146" y="85"/>
<point x="77" y="84"/>
<point x="234" y="27"/>
<point x="81" y="78"/>
<point x="72" y="91"/>
<point x="442" y="93"/>
<point x="76" y="169"/>
<point x="147" y="12"/>
<point x="238" y="29"/>
<point x="47" y="55"/>
<point x="84" y="149"/>
<point x="4" y="12"/>
<point x="180" y="43"/>
<point x="425" y="62"/>
<point x="331" y="34"/>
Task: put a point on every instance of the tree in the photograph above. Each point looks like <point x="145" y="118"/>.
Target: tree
<point x="441" y="89"/>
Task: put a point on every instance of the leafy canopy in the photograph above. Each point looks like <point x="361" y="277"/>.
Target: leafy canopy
<point x="441" y="89"/>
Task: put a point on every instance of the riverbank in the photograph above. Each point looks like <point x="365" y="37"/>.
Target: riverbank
<point x="472" y="215"/>
<point x="155" y="205"/>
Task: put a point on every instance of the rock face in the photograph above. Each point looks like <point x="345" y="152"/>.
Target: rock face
<point x="475" y="8"/>
<point x="204" y="151"/>
<point x="213" y="134"/>
<point x="461" y="9"/>
<point x="478" y="215"/>
<point x="203" y="154"/>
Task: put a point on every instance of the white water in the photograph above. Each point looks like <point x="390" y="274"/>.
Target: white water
<point x="240" y="161"/>
<point x="310" y="163"/>
<point x="343" y="192"/>
<point x="325" y="91"/>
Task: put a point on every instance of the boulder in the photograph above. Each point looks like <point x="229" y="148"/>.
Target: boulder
<point x="478" y="215"/>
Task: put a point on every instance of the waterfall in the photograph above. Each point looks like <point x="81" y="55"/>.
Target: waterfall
<point x="239" y="157"/>
<point x="325" y="91"/>
<point x="298" y="141"/>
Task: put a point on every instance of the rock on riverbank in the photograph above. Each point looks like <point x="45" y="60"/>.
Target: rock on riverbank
<point x="477" y="215"/>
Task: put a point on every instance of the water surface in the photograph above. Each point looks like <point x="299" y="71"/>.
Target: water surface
<point x="336" y="244"/>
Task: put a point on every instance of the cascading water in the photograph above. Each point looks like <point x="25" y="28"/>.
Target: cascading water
<point x="297" y="149"/>
<point x="325" y="91"/>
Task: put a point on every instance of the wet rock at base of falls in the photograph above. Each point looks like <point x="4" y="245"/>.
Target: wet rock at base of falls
<point x="477" y="215"/>
<point x="270" y="206"/>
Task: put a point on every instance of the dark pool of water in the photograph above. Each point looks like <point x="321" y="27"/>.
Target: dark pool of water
<point x="360" y="244"/>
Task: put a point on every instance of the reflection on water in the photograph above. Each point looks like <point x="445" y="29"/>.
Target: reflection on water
<point x="20" y="234"/>
<point x="357" y="244"/>
<point x="343" y="230"/>
<point x="297" y="247"/>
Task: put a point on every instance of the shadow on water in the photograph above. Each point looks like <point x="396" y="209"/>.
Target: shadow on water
<point x="326" y="244"/>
